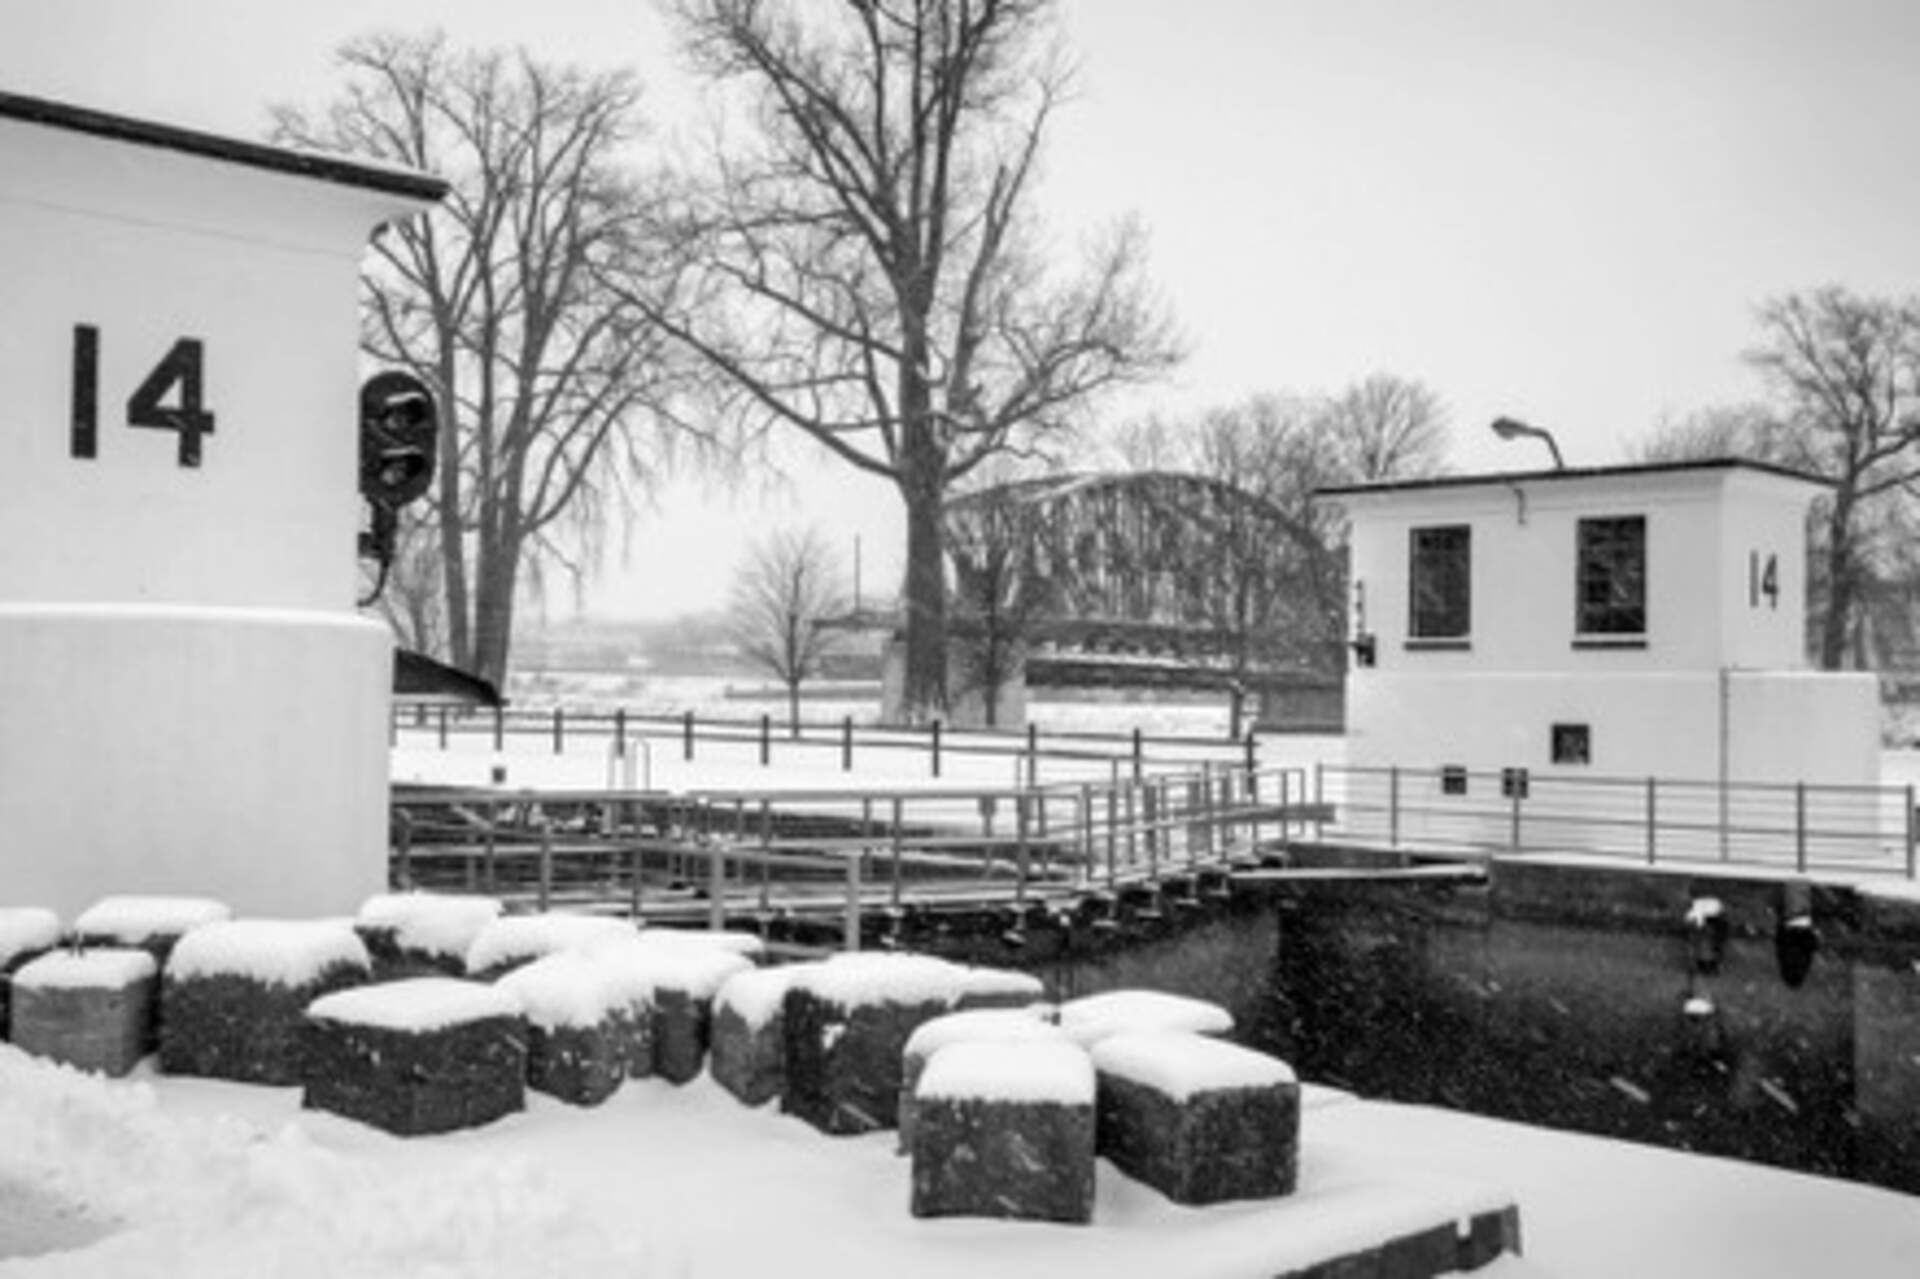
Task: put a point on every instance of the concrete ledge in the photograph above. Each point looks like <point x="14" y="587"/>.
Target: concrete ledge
<point x="1442" y="1250"/>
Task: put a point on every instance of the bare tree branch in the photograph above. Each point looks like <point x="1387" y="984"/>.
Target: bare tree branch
<point x="552" y="382"/>
<point x="788" y="586"/>
<point x="866" y="271"/>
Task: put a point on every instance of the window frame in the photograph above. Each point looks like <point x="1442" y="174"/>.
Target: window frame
<point x="1461" y="579"/>
<point x="1597" y="565"/>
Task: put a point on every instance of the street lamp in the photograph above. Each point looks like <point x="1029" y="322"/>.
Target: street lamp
<point x="1509" y="429"/>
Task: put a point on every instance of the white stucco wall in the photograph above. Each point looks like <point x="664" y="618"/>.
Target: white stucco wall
<point x="1702" y="527"/>
<point x="1718" y="688"/>
<point x="188" y="700"/>
<point x="1781" y="726"/>
<point x="232" y="753"/>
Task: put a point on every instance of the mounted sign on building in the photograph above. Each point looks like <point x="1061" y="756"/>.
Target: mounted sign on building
<point x="1617" y="622"/>
<point x="192" y="703"/>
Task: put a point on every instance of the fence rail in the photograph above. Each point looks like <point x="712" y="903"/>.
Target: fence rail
<point x="1803" y="826"/>
<point x="716" y="853"/>
<point x="686" y="733"/>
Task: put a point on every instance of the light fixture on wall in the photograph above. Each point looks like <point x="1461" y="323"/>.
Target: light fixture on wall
<point x="1511" y="429"/>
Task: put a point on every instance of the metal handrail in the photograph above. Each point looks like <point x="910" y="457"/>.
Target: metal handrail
<point x="1843" y="826"/>
<point x="1059" y="839"/>
<point x="689" y="728"/>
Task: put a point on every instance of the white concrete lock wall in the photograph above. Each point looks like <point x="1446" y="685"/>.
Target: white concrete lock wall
<point x="1717" y="686"/>
<point x="192" y="704"/>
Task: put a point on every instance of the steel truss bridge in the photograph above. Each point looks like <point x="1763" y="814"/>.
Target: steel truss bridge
<point x="1146" y="578"/>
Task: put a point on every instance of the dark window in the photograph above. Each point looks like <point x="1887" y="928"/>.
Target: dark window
<point x="1440" y="578"/>
<point x="1513" y="783"/>
<point x="1572" y="744"/>
<point x="1453" y="779"/>
<point x="1612" y="576"/>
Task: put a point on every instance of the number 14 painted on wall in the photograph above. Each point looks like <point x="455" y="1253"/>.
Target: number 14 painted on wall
<point x="1763" y="580"/>
<point x="178" y="374"/>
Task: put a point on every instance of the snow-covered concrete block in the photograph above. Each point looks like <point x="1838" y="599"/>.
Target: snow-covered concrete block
<point x="90" y="1009"/>
<point x="1093" y="1017"/>
<point x="1200" y="1120"/>
<point x="1005" y="1129"/>
<point x="846" y="1023"/>
<point x="678" y="981"/>
<point x="423" y="1055"/>
<point x="975" y="1025"/>
<point x="578" y="1030"/>
<point x="422" y="934"/>
<point x="1001" y="988"/>
<point x="748" y="1052"/>
<point x="234" y="995"/>
<point x="152" y="923"/>
<point x="745" y="944"/>
<point x="26" y="933"/>
<point x="504" y="944"/>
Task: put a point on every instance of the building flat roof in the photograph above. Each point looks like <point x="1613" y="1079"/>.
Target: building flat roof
<point x="390" y="180"/>
<point x="1573" y="473"/>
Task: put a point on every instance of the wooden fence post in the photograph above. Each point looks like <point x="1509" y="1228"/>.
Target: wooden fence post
<point x="716" y="885"/>
<point x="1086" y="832"/>
<point x="1911" y="833"/>
<point x="766" y="852"/>
<point x="1393" y="806"/>
<point x="1653" y="824"/>
<point x="850" y="933"/>
<point x="546" y="864"/>
<point x="1800" y="827"/>
<point x="403" y="847"/>
<point x="1021" y="853"/>
<point x="898" y="836"/>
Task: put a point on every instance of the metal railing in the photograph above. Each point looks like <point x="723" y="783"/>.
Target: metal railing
<point x="768" y="737"/>
<point x="716" y="854"/>
<point x="1802" y="826"/>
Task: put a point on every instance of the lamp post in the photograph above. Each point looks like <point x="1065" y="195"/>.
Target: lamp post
<point x="1509" y="429"/>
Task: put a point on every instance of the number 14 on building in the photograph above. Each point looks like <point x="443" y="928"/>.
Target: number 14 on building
<point x="177" y="376"/>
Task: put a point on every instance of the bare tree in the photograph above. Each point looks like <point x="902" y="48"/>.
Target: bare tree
<point x="413" y="602"/>
<point x="1846" y="373"/>
<point x="788" y="586"/>
<point x="1750" y="430"/>
<point x="1884" y="628"/>
<point x="1385" y="427"/>
<point x="1002" y="591"/>
<point x="1283" y="601"/>
<point x="548" y="378"/>
<point x="872" y="275"/>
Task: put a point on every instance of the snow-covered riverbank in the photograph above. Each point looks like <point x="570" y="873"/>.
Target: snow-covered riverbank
<point x="211" y="1180"/>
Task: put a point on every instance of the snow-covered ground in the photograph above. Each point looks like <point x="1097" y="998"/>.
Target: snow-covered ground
<point x="162" y="1176"/>
<point x="209" y="1180"/>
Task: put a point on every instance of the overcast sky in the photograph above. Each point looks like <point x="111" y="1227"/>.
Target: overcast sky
<point x="1562" y="211"/>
